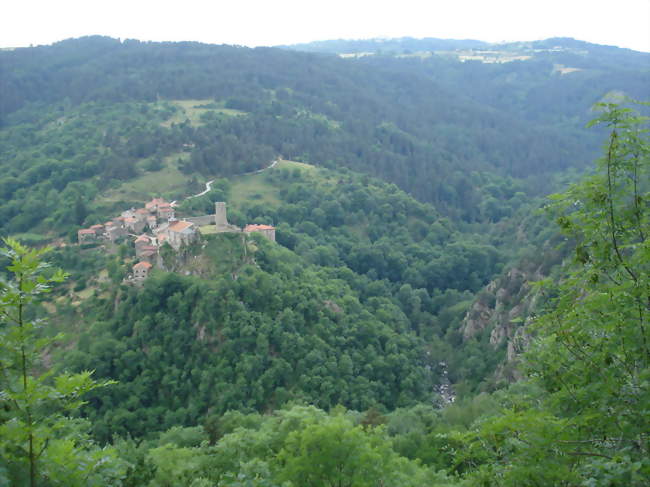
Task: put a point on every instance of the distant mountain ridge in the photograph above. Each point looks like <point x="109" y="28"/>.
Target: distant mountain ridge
<point x="388" y="45"/>
<point x="400" y="45"/>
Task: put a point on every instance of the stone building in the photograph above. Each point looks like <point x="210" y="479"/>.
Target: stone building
<point x="165" y="211"/>
<point x="152" y="206"/>
<point x="141" y="214"/>
<point x="98" y="229"/>
<point x="133" y="224"/>
<point x="141" y="271"/>
<point x="113" y="232"/>
<point x="86" y="235"/>
<point x="267" y="231"/>
<point x="220" y="217"/>
<point x="149" y="253"/>
<point x="181" y="232"/>
<point x="152" y="221"/>
<point x="141" y="242"/>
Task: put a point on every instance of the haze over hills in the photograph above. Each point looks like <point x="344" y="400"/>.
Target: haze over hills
<point x="405" y="200"/>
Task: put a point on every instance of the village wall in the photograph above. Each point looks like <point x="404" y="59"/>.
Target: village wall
<point x="200" y="220"/>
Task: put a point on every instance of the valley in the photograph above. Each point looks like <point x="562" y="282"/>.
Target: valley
<point x="284" y="263"/>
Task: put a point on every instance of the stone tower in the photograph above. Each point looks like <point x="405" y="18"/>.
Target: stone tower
<point x="220" y="218"/>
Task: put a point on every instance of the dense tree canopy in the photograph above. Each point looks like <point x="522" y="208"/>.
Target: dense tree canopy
<point x="319" y="359"/>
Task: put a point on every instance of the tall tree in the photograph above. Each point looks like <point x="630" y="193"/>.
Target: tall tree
<point x="586" y="420"/>
<point x="39" y="443"/>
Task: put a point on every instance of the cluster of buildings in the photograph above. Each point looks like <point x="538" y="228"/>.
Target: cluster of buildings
<point x="155" y="213"/>
<point x="156" y="224"/>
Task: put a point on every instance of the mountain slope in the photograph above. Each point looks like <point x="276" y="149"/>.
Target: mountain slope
<point x="423" y="125"/>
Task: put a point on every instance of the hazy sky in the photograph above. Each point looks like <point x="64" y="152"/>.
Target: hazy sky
<point x="624" y="23"/>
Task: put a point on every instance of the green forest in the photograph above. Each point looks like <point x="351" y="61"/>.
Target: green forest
<point x="457" y="293"/>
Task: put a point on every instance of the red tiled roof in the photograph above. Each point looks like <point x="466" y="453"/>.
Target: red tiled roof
<point x="96" y="227"/>
<point x="180" y="226"/>
<point x="142" y="210"/>
<point x="86" y="231"/>
<point x="254" y="228"/>
<point x="142" y="265"/>
<point x="143" y="238"/>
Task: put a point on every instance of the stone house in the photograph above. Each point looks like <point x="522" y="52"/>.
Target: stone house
<point x="181" y="232"/>
<point x="141" y="214"/>
<point x="141" y="242"/>
<point x="149" y="253"/>
<point x="152" y="206"/>
<point x="113" y="232"/>
<point x="133" y="224"/>
<point x="86" y="235"/>
<point x="267" y="231"/>
<point x="98" y="229"/>
<point x="152" y="221"/>
<point x="128" y="213"/>
<point x="141" y="270"/>
<point x="165" y="211"/>
<point x="118" y="220"/>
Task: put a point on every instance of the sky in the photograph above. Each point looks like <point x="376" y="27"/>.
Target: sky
<point x="623" y="23"/>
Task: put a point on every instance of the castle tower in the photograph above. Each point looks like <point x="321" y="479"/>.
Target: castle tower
<point x="220" y="218"/>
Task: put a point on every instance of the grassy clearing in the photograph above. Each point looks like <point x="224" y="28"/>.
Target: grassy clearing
<point x="332" y="124"/>
<point x="168" y="182"/>
<point x="257" y="189"/>
<point x="282" y="164"/>
<point x="208" y="230"/>
<point x="192" y="110"/>
<point x="253" y="189"/>
<point x="31" y="239"/>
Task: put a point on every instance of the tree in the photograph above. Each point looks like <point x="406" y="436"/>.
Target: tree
<point x="80" y="210"/>
<point x="334" y="452"/>
<point x="594" y="352"/>
<point x="39" y="442"/>
<point x="590" y="421"/>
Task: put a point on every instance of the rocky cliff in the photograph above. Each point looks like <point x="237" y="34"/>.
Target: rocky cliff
<point x="503" y="308"/>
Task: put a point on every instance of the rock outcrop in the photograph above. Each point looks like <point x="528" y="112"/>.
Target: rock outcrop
<point x="503" y="308"/>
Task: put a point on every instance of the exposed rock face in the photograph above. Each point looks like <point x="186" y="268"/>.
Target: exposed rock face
<point x="504" y="307"/>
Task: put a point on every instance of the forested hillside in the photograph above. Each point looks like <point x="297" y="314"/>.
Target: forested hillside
<point x="369" y="281"/>
<point x="423" y="124"/>
<point x="405" y="183"/>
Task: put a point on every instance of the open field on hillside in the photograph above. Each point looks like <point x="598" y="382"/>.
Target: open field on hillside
<point x="256" y="188"/>
<point x="168" y="182"/>
<point x="192" y="110"/>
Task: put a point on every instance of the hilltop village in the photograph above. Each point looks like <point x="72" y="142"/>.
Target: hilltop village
<point x="155" y="225"/>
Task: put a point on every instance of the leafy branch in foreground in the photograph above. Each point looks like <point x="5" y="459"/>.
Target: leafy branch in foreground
<point x="39" y="442"/>
<point x="585" y="417"/>
<point x="594" y="356"/>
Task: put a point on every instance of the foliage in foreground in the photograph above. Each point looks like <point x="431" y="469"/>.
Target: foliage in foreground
<point x="590" y="356"/>
<point x="39" y="442"/>
<point x="296" y="446"/>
